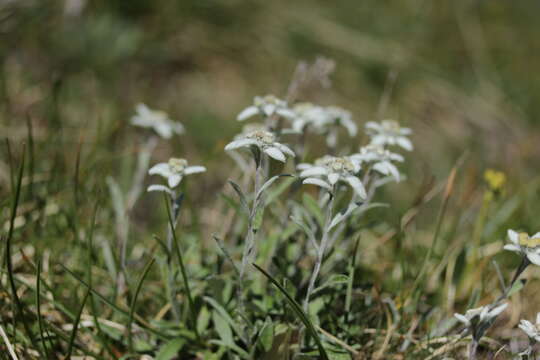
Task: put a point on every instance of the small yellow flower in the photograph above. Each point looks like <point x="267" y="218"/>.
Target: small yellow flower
<point x="495" y="179"/>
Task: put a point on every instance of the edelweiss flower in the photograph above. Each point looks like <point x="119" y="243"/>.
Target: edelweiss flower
<point x="388" y="132"/>
<point x="266" y="106"/>
<point x="265" y="141"/>
<point x="478" y="320"/>
<point x="333" y="169"/>
<point x="526" y="245"/>
<point x="532" y="330"/>
<point x="381" y="159"/>
<point x="173" y="170"/>
<point x="322" y="119"/>
<point x="157" y="120"/>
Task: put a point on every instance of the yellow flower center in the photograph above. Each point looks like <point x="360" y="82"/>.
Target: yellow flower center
<point x="177" y="165"/>
<point x="262" y="136"/>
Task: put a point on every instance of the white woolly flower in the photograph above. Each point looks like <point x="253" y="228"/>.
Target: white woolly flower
<point x="380" y="158"/>
<point x="263" y="140"/>
<point x="532" y="330"/>
<point x="157" y="120"/>
<point x="173" y="170"/>
<point x="266" y="106"/>
<point x="333" y="169"/>
<point x="389" y="132"/>
<point x="478" y="320"/>
<point x="322" y="120"/>
<point x="526" y="245"/>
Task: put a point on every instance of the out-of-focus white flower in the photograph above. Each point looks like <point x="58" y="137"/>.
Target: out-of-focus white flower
<point x="263" y="140"/>
<point x="478" y="320"/>
<point x="328" y="170"/>
<point x="322" y="120"/>
<point x="380" y="158"/>
<point x="266" y="106"/>
<point x="532" y="330"/>
<point x="389" y="132"/>
<point x="157" y="120"/>
<point x="526" y="245"/>
<point x="173" y="170"/>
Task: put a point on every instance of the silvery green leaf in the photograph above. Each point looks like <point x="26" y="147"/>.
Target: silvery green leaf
<point x="343" y="215"/>
<point x="257" y="218"/>
<point x="241" y="196"/>
<point x="268" y="183"/>
<point x="310" y="234"/>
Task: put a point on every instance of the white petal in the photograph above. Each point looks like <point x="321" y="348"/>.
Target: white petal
<point x="318" y="182"/>
<point x="536" y="236"/>
<point x="333" y="178"/>
<point x="405" y="131"/>
<point x="247" y="113"/>
<point x="462" y="318"/>
<point x="240" y="143"/>
<point x="140" y="121"/>
<point x="513" y="236"/>
<point x="387" y="168"/>
<point x="379" y="140"/>
<point x="350" y="126"/>
<point x="194" y="169"/>
<point x="285" y="149"/>
<point x="499" y="309"/>
<point x="286" y="113"/>
<point x="533" y="256"/>
<point x="304" y="166"/>
<point x="174" y="180"/>
<point x="314" y="171"/>
<point x="275" y="153"/>
<point x="373" y="125"/>
<point x="538" y="318"/>
<point x="404" y="143"/>
<point x="160" y="188"/>
<point x="163" y="129"/>
<point x="177" y="127"/>
<point x="268" y="109"/>
<point x="162" y="169"/>
<point x="357" y="185"/>
<point x="512" y="247"/>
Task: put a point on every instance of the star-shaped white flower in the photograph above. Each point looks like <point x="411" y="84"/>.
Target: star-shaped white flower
<point x="389" y="132"/>
<point x="263" y="140"/>
<point x="322" y="120"/>
<point x="478" y="320"/>
<point x="526" y="245"/>
<point x="157" y="120"/>
<point x="266" y="106"/>
<point x="532" y="330"/>
<point x="173" y="170"/>
<point x="333" y="169"/>
<point x="380" y="158"/>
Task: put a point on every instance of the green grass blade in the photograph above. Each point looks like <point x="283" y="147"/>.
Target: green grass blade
<point x="18" y="304"/>
<point x="193" y="314"/>
<point x="134" y="301"/>
<point x="298" y="311"/>
<point x="76" y="325"/>
<point x="38" y="306"/>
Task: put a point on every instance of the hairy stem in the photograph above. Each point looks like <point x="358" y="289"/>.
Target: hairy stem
<point x="320" y="251"/>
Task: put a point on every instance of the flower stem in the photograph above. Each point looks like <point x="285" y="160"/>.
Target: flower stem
<point x="320" y="251"/>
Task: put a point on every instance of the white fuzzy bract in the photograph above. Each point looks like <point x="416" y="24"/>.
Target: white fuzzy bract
<point x="322" y="120"/>
<point x="328" y="170"/>
<point x="479" y="320"/>
<point x="525" y="245"/>
<point x="266" y="106"/>
<point x="174" y="170"/>
<point x="264" y="141"/>
<point x="532" y="330"/>
<point x="157" y="120"/>
<point x="380" y="159"/>
<point x="389" y="132"/>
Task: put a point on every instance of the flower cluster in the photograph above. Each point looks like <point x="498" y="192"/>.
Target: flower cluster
<point x="381" y="159"/>
<point x="328" y="170"/>
<point x="527" y="246"/>
<point x="532" y="330"/>
<point x="266" y="106"/>
<point x="174" y="170"/>
<point x="263" y="140"/>
<point x="478" y="320"/>
<point x="389" y="132"/>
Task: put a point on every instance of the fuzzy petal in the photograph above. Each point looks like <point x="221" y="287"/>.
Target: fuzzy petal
<point x="462" y="318"/>
<point x="174" y="180"/>
<point x="314" y="171"/>
<point x="247" y="113"/>
<point x="286" y="113"/>
<point x="275" y="153"/>
<point x="194" y="169"/>
<point x="357" y="185"/>
<point x="533" y="256"/>
<point x="240" y="143"/>
<point x="404" y="143"/>
<point x="318" y="182"/>
<point x="333" y="178"/>
<point x="162" y="169"/>
<point x="285" y="149"/>
<point x="160" y="188"/>
<point x="512" y="247"/>
<point x="513" y="236"/>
